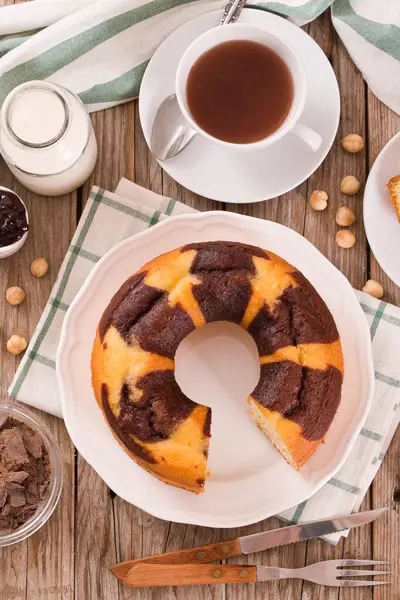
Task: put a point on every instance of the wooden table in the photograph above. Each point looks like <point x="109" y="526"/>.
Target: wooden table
<point x="91" y="528"/>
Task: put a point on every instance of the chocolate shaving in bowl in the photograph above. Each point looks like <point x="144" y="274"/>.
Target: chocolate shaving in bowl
<point x="24" y="473"/>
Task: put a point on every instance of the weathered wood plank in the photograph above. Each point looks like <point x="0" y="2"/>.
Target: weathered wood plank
<point x="49" y="554"/>
<point x="320" y="229"/>
<point x="96" y="539"/>
<point x="115" y="134"/>
<point x="13" y="560"/>
<point x="382" y="125"/>
<point x="147" y="171"/>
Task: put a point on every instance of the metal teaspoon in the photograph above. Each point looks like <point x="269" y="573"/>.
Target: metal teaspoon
<point x="171" y="133"/>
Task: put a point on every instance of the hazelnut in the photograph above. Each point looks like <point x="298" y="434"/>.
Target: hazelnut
<point x="16" y="344"/>
<point x="350" y="185"/>
<point x="345" y="238"/>
<point x="39" y="267"/>
<point x="15" y="295"/>
<point x="353" y="143"/>
<point x="373" y="288"/>
<point x="345" y="216"/>
<point x="319" y="200"/>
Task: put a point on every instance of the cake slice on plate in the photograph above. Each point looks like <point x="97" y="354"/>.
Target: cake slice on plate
<point x="394" y="192"/>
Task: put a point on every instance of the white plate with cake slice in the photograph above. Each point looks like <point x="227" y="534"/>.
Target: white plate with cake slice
<point x="217" y="365"/>
<point x="382" y="224"/>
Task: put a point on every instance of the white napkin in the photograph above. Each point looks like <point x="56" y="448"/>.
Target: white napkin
<point x="110" y="218"/>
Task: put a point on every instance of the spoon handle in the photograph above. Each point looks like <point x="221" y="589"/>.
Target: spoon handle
<point x="231" y="12"/>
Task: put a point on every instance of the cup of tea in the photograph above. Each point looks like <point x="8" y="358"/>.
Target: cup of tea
<point x="243" y="87"/>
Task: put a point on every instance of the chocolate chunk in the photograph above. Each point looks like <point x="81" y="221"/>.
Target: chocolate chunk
<point x="12" y="449"/>
<point x="33" y="443"/>
<point x="31" y="498"/>
<point x="33" y="487"/>
<point x="3" y="419"/>
<point x="43" y="489"/>
<point x="16" y="476"/>
<point x="24" y="476"/>
<point x="14" y="486"/>
<point x="16" y="498"/>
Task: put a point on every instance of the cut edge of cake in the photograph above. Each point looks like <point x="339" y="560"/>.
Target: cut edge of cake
<point x="280" y="432"/>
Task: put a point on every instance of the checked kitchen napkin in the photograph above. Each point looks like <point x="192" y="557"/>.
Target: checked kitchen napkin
<point x="109" y="218"/>
<point x="100" y="48"/>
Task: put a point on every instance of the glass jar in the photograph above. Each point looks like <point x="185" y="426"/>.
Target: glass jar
<point x="47" y="138"/>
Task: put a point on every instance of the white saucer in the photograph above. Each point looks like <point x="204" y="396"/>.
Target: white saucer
<point x="380" y="220"/>
<point x="217" y="365"/>
<point x="206" y="169"/>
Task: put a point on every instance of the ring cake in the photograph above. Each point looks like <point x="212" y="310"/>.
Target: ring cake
<point x="133" y="370"/>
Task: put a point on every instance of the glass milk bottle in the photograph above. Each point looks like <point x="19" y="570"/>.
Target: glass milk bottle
<point x="47" y="138"/>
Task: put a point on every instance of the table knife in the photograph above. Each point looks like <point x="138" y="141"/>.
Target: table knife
<point x="252" y="543"/>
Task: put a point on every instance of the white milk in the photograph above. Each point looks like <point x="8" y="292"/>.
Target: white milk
<point x="46" y="138"/>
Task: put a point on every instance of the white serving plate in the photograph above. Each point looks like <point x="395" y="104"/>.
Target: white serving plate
<point x="218" y="366"/>
<point x="380" y="219"/>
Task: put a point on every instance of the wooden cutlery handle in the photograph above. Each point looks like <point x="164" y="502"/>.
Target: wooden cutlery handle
<point x="153" y="575"/>
<point x="198" y="555"/>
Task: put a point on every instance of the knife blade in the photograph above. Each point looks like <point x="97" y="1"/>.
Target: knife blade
<point x="306" y="531"/>
<point x="252" y="543"/>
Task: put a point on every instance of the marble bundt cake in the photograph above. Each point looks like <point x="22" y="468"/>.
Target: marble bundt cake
<point x="301" y="363"/>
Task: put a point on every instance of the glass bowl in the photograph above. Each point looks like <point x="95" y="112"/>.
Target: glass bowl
<point x="6" y="251"/>
<point x="49" y="502"/>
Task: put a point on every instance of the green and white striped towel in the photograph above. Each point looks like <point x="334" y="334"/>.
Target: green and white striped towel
<point x="110" y="218"/>
<point x="100" y="48"/>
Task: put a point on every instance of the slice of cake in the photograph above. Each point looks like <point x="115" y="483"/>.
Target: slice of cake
<point x="394" y="192"/>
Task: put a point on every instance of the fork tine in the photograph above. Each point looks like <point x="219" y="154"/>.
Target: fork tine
<point x="357" y="573"/>
<point x="356" y="563"/>
<point x="349" y="583"/>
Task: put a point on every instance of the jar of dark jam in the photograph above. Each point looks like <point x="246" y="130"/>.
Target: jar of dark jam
<point x="13" y="222"/>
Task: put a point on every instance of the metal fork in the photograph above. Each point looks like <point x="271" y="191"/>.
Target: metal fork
<point x="327" y="573"/>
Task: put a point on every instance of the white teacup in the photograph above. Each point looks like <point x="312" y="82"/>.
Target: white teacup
<point x="242" y="31"/>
